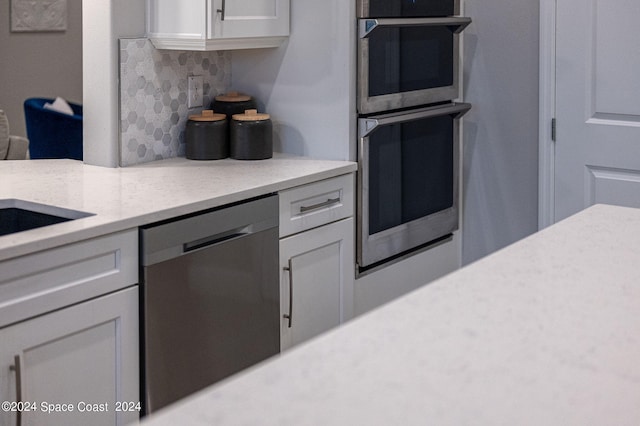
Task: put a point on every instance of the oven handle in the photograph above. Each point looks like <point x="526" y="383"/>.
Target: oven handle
<point x="368" y="125"/>
<point x="455" y="23"/>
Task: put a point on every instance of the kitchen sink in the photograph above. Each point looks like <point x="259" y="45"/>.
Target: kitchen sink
<point x="19" y="215"/>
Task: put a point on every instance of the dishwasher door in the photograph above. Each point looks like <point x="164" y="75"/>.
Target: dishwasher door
<point x="210" y="296"/>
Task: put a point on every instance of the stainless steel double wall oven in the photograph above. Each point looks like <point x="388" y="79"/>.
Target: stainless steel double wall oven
<point x="408" y="130"/>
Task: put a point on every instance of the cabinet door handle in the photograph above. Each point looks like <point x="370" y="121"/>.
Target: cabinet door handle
<point x="221" y="11"/>
<point x="330" y="201"/>
<point x="17" y="368"/>
<point x="289" y="316"/>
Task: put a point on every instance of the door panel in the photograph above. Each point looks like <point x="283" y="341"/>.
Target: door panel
<point x="249" y="18"/>
<point x="83" y="354"/>
<point x="613" y="186"/>
<point x="317" y="291"/>
<point x="615" y="79"/>
<point x="251" y="8"/>
<point x="44" y="364"/>
<point x="597" y="104"/>
<point x="317" y="278"/>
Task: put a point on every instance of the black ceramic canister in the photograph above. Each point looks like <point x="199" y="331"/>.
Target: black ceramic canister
<point x="206" y="136"/>
<point x="233" y="103"/>
<point x="251" y="136"/>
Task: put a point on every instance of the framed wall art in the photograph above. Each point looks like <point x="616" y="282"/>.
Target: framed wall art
<point x="38" y="15"/>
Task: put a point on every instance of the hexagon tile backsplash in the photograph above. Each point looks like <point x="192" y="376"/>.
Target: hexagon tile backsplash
<point x="153" y="97"/>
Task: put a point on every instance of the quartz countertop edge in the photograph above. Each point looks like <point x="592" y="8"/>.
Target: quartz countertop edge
<point x="543" y="332"/>
<point x="129" y="197"/>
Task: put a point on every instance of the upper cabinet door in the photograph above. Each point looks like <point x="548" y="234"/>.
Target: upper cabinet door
<point x="249" y="18"/>
<point x="185" y="19"/>
<point x="217" y="24"/>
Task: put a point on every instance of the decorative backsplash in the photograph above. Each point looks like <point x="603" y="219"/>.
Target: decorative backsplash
<point x="153" y="97"/>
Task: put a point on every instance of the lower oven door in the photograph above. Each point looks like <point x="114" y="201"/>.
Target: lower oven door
<point x="407" y="180"/>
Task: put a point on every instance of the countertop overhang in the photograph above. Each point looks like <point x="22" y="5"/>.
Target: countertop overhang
<point x="544" y="332"/>
<point x="124" y="198"/>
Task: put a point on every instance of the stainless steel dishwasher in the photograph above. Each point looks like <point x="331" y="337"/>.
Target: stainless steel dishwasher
<point x="210" y="298"/>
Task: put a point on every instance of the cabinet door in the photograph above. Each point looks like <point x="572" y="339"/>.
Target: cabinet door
<point x="249" y="18"/>
<point x="316" y="281"/>
<point x="186" y="19"/>
<point x="80" y="355"/>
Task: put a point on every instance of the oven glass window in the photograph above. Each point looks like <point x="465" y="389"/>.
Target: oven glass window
<point x="413" y="8"/>
<point x="403" y="59"/>
<point x="410" y="171"/>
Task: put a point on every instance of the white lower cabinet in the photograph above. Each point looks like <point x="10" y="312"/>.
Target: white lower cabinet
<point x="317" y="278"/>
<point x="80" y="362"/>
<point x="69" y="334"/>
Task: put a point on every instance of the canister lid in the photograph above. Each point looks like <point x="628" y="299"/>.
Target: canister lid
<point x="233" y="97"/>
<point x="207" y="115"/>
<point x="251" y="115"/>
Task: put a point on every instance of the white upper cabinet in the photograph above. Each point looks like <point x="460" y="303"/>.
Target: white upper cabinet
<point x="217" y="24"/>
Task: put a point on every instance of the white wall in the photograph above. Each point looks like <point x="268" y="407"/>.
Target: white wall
<point x="501" y="131"/>
<point x="307" y="84"/>
<point x="104" y="22"/>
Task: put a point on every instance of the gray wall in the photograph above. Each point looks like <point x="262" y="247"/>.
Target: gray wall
<point x="39" y="64"/>
<point x="501" y="131"/>
<point x="307" y="85"/>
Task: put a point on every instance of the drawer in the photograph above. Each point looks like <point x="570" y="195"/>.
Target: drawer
<point x="316" y="204"/>
<point x="41" y="282"/>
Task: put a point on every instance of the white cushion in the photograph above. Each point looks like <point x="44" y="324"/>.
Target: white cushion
<point x="18" y="148"/>
<point x="4" y="135"/>
<point x="59" y="105"/>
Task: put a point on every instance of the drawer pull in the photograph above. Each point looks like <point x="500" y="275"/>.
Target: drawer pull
<point x="330" y="201"/>
<point x="289" y="269"/>
<point x="222" y="11"/>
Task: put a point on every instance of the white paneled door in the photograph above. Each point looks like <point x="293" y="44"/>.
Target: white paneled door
<point x="597" y="147"/>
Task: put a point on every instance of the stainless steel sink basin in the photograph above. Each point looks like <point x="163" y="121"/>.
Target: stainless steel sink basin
<point x="19" y="215"/>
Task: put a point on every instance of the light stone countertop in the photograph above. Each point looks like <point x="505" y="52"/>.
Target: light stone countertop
<point x="544" y="332"/>
<point x="123" y="198"/>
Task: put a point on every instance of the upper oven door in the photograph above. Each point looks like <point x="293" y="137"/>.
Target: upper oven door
<point x="407" y="8"/>
<point x="407" y="180"/>
<point x="407" y="62"/>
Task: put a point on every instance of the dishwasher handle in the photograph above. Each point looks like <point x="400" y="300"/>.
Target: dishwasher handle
<point x="171" y="239"/>
<point x="213" y="240"/>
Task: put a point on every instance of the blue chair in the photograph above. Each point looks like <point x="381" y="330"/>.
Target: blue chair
<point x="53" y="134"/>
